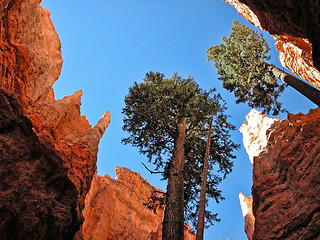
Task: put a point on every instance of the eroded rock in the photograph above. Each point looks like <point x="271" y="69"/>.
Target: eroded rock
<point x="30" y="62"/>
<point x="115" y="208"/>
<point x="286" y="182"/>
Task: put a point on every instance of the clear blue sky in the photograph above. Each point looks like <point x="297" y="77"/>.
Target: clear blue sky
<point x="109" y="44"/>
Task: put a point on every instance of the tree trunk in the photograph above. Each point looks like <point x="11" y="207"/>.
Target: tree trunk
<point x="310" y="92"/>
<point x="202" y="203"/>
<point x="173" y="222"/>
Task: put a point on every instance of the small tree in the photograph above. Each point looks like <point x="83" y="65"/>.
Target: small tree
<point x="166" y="119"/>
<point x="219" y="165"/>
<point x="203" y="191"/>
<point x="241" y="63"/>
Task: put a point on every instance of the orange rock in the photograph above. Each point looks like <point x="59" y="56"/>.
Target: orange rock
<point x="115" y="208"/>
<point x="246" y="207"/>
<point x="30" y="62"/>
<point x="286" y="181"/>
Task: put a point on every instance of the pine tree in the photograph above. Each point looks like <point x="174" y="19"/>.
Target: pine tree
<point x="203" y="191"/>
<point x="167" y="119"/>
<point x="241" y="62"/>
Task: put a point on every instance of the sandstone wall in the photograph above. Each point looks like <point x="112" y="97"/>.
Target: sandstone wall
<point x="115" y="208"/>
<point x="295" y="27"/>
<point x="286" y="182"/>
<point x="30" y="62"/>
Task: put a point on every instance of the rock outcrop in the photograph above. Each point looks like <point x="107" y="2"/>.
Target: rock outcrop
<point x="296" y="29"/>
<point x="37" y="199"/>
<point x="115" y="209"/>
<point x="62" y="147"/>
<point x="246" y="207"/>
<point x="286" y="182"/>
<point x="254" y="131"/>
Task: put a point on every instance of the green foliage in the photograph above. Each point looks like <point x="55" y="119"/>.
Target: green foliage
<point x="241" y="63"/>
<point x="153" y="110"/>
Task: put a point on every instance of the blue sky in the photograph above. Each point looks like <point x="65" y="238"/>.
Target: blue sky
<point x="107" y="45"/>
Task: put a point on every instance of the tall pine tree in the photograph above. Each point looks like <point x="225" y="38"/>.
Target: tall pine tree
<point x="241" y="62"/>
<point x="167" y="119"/>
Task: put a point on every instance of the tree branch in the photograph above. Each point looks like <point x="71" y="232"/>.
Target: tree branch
<point x="167" y="128"/>
<point x="152" y="172"/>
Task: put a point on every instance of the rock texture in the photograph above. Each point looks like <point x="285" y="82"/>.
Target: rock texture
<point x="36" y="196"/>
<point x="286" y="182"/>
<point x="295" y="27"/>
<point x="115" y="208"/>
<point x="254" y="132"/>
<point x="60" y="138"/>
<point x="246" y="207"/>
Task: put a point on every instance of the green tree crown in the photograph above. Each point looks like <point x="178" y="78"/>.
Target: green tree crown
<point x="153" y="111"/>
<point x="241" y="63"/>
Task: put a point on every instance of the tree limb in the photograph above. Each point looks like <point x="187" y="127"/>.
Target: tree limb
<point x="152" y="172"/>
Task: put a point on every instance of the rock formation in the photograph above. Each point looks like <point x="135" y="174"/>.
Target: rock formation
<point x="296" y="29"/>
<point x="115" y="209"/>
<point x="51" y="172"/>
<point x="286" y="182"/>
<point x="246" y="207"/>
<point x="254" y="132"/>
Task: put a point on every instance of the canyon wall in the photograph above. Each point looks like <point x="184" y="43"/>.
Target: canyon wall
<point x="48" y="149"/>
<point x="285" y="154"/>
<point x="296" y="28"/>
<point x="286" y="182"/>
<point x="115" y="209"/>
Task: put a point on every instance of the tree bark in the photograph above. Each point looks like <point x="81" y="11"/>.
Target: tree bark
<point x="202" y="203"/>
<point x="310" y="92"/>
<point x="173" y="222"/>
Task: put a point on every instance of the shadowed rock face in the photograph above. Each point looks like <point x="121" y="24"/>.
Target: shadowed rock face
<point x="295" y="27"/>
<point x="294" y="18"/>
<point x="30" y="62"/>
<point x="37" y="199"/>
<point x="286" y="182"/>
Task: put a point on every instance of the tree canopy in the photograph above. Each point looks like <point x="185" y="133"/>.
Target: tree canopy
<point x="154" y="110"/>
<point x="241" y="63"/>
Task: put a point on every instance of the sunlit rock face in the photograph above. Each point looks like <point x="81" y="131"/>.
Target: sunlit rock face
<point x="254" y="132"/>
<point x="115" y="208"/>
<point x="293" y="25"/>
<point x="246" y="207"/>
<point x="286" y="181"/>
<point x="30" y="59"/>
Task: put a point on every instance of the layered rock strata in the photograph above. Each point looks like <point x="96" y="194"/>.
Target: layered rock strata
<point x="30" y="62"/>
<point x="286" y="182"/>
<point x="294" y="26"/>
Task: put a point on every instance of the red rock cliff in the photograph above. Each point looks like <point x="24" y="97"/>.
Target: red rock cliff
<point x="30" y="62"/>
<point x="286" y="182"/>
<point x="115" y="209"/>
<point x="295" y="27"/>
